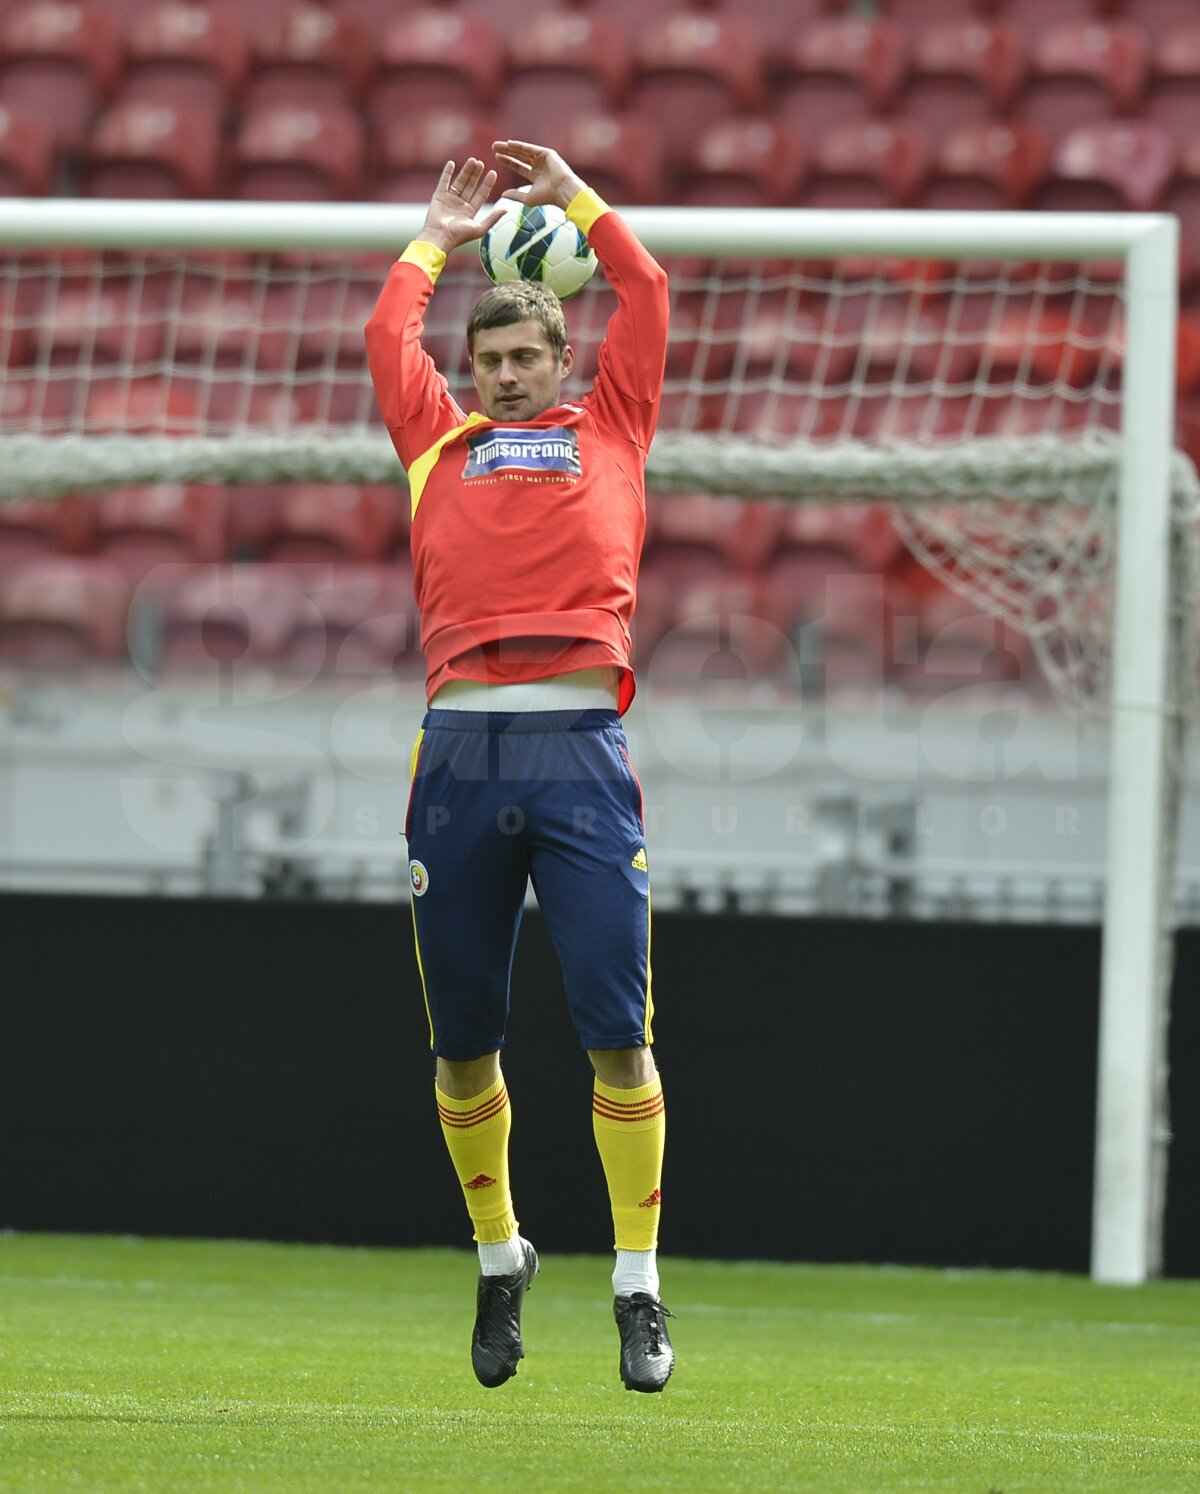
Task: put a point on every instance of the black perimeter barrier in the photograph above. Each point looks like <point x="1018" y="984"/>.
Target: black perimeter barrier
<point x="836" y="1090"/>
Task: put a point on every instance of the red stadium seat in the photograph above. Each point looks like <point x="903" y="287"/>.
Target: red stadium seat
<point x="251" y="515"/>
<point x="187" y="54"/>
<point x="1021" y="415"/>
<point x="216" y="324"/>
<point x="234" y="324"/>
<point x="58" y="610"/>
<point x="692" y="67"/>
<point x="777" y="24"/>
<point x="686" y="543"/>
<point x="843" y="626"/>
<point x="1032" y="347"/>
<point x="312" y="522"/>
<point x="79" y="321"/>
<point x="43" y="404"/>
<point x="1187" y="427"/>
<point x="989" y="165"/>
<point x="700" y="348"/>
<point x="652" y="615"/>
<point x="721" y="630"/>
<point x="959" y="644"/>
<point x="895" y="339"/>
<point x="620" y="156"/>
<point x="143" y="527"/>
<point x="859" y="536"/>
<point x="45" y="526"/>
<point x="961" y="72"/>
<point x="867" y="164"/>
<point x="28" y="154"/>
<point x="1187" y="355"/>
<point x="291" y="153"/>
<point x="348" y="402"/>
<point x="1030" y="19"/>
<point x="435" y="58"/>
<point x="695" y="535"/>
<point x="60" y="60"/>
<point x="1083" y="72"/>
<point x="224" y="614"/>
<point x="750" y="328"/>
<point x="844" y="68"/>
<point x="140" y="406"/>
<point x="1110" y="166"/>
<point x="914" y="15"/>
<point x="1158" y="17"/>
<point x="779" y="414"/>
<point x="274" y="405"/>
<point x="140" y="148"/>
<point x="1173" y="93"/>
<point x="410" y="153"/>
<point x="743" y="163"/>
<point x="563" y="63"/>
<point x="319" y="324"/>
<point x="1183" y="198"/>
<point x="308" y="56"/>
<point x="817" y="542"/>
<point x="363" y="620"/>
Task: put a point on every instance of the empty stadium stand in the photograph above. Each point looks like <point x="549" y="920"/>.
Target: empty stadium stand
<point x="182" y="53"/>
<point x="1091" y="105"/>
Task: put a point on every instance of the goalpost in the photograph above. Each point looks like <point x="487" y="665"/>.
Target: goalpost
<point x="1005" y="380"/>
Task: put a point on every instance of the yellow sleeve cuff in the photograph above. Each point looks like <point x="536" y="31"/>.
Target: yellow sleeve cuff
<point x="585" y="207"/>
<point x="431" y="259"/>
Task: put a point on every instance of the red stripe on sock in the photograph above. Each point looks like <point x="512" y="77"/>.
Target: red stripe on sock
<point x="647" y="1110"/>
<point x="627" y="1107"/>
<point x="463" y="1119"/>
<point x="627" y="1104"/>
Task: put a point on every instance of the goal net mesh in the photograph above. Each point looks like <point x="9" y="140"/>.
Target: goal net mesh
<point x="981" y="400"/>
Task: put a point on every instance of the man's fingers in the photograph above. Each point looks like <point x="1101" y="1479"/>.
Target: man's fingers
<point x="520" y="167"/>
<point x="518" y="154"/>
<point x="467" y="177"/>
<point x="446" y="176"/>
<point x="523" y="148"/>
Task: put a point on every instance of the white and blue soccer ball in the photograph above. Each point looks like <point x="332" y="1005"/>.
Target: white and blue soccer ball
<point x="537" y="243"/>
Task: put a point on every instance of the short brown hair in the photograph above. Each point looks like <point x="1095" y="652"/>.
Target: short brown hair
<point x="520" y="301"/>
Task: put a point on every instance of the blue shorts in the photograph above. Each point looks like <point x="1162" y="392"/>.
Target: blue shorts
<point x="499" y="800"/>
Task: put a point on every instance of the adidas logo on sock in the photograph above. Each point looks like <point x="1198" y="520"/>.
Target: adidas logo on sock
<point x="652" y="1202"/>
<point x="481" y="1180"/>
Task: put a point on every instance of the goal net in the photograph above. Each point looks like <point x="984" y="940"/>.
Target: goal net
<point x="1003" y="381"/>
<point x="982" y="396"/>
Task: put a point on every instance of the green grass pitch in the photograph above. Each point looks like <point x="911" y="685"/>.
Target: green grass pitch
<point x="174" y="1366"/>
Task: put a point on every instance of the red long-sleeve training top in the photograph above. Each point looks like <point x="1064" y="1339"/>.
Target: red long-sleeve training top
<point x="526" y="537"/>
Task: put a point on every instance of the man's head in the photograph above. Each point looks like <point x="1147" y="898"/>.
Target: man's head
<point x="517" y="341"/>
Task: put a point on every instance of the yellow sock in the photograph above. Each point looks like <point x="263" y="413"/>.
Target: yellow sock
<point x="476" y="1132"/>
<point x="630" y="1127"/>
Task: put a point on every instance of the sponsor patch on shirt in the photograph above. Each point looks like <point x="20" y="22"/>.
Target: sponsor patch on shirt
<point x="552" y="449"/>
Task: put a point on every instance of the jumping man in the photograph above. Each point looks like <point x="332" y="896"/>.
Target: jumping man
<point x="527" y="526"/>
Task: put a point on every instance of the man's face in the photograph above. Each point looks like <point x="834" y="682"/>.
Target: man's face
<point x="517" y="372"/>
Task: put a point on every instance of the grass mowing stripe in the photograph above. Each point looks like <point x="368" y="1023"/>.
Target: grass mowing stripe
<point x="188" y="1365"/>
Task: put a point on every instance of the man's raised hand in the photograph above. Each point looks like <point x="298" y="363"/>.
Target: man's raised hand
<point x="550" y="179"/>
<point x="450" y="219"/>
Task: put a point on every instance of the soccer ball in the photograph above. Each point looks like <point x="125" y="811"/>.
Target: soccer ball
<point x="537" y="243"/>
